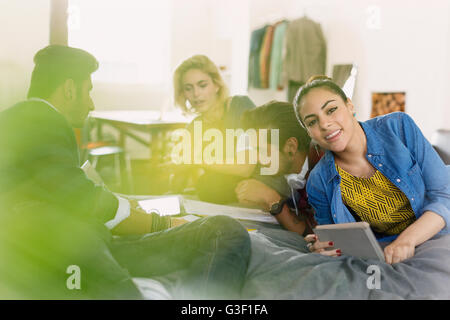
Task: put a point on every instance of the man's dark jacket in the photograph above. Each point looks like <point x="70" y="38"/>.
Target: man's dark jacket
<point x="51" y="215"/>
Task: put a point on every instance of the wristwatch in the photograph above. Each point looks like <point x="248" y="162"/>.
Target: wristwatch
<point x="277" y="207"/>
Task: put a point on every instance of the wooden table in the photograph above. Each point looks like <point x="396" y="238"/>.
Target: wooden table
<point x="151" y="122"/>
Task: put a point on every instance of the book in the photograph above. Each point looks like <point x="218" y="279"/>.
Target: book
<point x="354" y="239"/>
<point x="212" y="209"/>
<point x="179" y="205"/>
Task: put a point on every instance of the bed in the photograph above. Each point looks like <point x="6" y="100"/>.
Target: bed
<point x="281" y="268"/>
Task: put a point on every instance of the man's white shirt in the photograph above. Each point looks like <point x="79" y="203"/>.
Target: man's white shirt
<point x="123" y="212"/>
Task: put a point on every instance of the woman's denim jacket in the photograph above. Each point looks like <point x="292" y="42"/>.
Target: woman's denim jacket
<point x="397" y="148"/>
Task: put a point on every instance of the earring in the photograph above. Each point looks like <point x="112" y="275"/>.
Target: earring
<point x="354" y="114"/>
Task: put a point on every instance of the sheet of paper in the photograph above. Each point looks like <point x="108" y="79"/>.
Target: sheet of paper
<point x="91" y="173"/>
<point x="211" y="209"/>
<point x="190" y="217"/>
<point x="163" y="206"/>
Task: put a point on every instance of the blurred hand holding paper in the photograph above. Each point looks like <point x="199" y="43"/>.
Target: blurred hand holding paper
<point x="91" y="173"/>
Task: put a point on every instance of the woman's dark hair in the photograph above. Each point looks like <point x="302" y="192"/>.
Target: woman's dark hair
<point x="318" y="81"/>
<point x="55" y="64"/>
<point x="277" y="115"/>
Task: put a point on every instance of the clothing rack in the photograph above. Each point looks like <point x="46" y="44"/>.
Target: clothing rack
<point x="268" y="52"/>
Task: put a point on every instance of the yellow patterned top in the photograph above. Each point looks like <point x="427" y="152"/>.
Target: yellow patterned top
<point x="377" y="201"/>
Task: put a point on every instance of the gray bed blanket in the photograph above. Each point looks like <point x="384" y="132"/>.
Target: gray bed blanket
<point x="281" y="268"/>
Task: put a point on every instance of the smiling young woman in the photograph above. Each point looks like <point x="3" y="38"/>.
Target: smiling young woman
<point x="382" y="171"/>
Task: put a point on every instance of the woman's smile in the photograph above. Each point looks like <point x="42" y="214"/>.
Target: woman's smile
<point x="333" y="136"/>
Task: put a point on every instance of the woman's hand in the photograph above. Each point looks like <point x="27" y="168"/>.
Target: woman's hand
<point x="424" y="228"/>
<point x="317" y="246"/>
<point x="398" y="251"/>
<point x="252" y="191"/>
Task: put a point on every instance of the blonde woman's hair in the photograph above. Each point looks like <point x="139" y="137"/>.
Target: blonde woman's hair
<point x="202" y="63"/>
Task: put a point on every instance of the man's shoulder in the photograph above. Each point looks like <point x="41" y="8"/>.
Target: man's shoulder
<point x="243" y="102"/>
<point x="26" y="107"/>
<point x="33" y="121"/>
<point x="32" y="111"/>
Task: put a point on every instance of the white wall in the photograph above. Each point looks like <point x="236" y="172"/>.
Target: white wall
<point x="194" y="27"/>
<point x="216" y="29"/>
<point x="410" y="51"/>
<point x="24" y="29"/>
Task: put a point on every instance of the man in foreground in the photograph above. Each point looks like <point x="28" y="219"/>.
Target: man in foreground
<point x="54" y="219"/>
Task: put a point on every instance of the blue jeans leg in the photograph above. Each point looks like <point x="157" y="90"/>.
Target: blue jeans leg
<point x="211" y="253"/>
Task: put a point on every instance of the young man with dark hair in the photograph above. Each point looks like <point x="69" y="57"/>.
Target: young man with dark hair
<point x="295" y="162"/>
<point x="55" y="220"/>
<point x="62" y="76"/>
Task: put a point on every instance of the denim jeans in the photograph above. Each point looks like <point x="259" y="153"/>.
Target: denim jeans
<point x="208" y="256"/>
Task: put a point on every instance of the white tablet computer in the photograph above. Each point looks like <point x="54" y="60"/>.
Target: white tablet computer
<point x="354" y="239"/>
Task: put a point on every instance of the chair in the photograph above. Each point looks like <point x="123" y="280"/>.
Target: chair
<point x="441" y="143"/>
<point x="344" y="75"/>
<point x="96" y="150"/>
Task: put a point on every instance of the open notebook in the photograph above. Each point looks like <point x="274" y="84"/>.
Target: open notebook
<point x="211" y="209"/>
<point x="174" y="204"/>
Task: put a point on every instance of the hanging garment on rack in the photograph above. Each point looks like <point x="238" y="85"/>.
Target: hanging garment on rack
<point x="256" y="39"/>
<point x="341" y="72"/>
<point x="293" y="87"/>
<point x="305" y="50"/>
<point x="264" y="59"/>
<point x="276" y="55"/>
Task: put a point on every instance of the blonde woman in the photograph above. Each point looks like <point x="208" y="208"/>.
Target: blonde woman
<point x="199" y="89"/>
